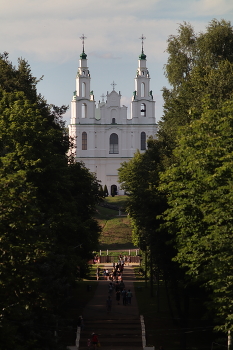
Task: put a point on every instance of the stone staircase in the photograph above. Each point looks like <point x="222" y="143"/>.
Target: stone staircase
<point x="114" y="334"/>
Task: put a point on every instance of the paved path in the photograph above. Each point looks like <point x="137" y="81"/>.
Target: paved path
<point x="121" y="328"/>
<point x="96" y="308"/>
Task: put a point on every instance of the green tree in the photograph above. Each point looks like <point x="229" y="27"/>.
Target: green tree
<point x="46" y="206"/>
<point x="105" y="191"/>
<point x="198" y="64"/>
<point x="200" y="196"/>
<point x="140" y="179"/>
<point x="199" y="70"/>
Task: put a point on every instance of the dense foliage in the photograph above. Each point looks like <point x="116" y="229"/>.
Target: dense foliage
<point x="46" y="206"/>
<point x="199" y="185"/>
<point x="192" y="166"/>
<point x="198" y="111"/>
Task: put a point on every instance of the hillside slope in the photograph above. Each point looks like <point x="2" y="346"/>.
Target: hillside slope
<point x="116" y="230"/>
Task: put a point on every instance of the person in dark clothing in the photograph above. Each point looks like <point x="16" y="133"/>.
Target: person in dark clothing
<point x="129" y="296"/>
<point x="124" y="296"/>
<point x="118" y="296"/>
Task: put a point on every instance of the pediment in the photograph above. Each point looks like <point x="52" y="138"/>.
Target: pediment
<point x="113" y="99"/>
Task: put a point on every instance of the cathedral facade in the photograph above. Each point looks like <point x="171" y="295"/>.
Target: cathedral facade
<point x="103" y="134"/>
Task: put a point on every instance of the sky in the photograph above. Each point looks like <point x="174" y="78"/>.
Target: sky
<point x="47" y="34"/>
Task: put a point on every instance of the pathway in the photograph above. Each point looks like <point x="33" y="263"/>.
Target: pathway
<point x="118" y="330"/>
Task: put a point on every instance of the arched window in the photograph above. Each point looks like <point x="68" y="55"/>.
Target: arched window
<point x="84" y="141"/>
<point x="83" y="89"/>
<point x="142" y="89"/>
<point x="113" y="121"/>
<point x="143" y="110"/>
<point x="84" y="110"/>
<point x="143" y="141"/>
<point x="113" y="144"/>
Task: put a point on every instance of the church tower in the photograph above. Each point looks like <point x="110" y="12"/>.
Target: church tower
<point x="143" y="106"/>
<point x="83" y="104"/>
<point x="104" y="136"/>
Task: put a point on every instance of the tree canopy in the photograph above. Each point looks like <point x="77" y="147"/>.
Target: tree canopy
<point x="47" y="203"/>
<point x="199" y="187"/>
<point x="198" y="64"/>
<point x="197" y="130"/>
<point x="190" y="168"/>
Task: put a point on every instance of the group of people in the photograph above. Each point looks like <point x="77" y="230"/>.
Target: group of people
<point x="118" y="287"/>
<point x="123" y="293"/>
<point x="115" y="274"/>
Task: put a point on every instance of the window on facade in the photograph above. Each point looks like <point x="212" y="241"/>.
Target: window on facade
<point x="113" y="144"/>
<point x="143" y="141"/>
<point x="142" y="90"/>
<point x="113" y="120"/>
<point x="84" y="141"/>
<point x="83" y="90"/>
<point x="84" y="110"/>
<point x="143" y="110"/>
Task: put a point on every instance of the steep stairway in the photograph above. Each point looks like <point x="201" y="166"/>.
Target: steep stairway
<point x="114" y="334"/>
<point x="118" y="330"/>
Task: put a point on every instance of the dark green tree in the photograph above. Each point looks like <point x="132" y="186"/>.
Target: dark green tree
<point x="200" y="195"/>
<point x="140" y="179"/>
<point x="199" y="66"/>
<point x="46" y="206"/>
<point x="105" y="191"/>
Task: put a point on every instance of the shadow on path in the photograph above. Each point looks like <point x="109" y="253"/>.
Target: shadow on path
<point x="121" y="328"/>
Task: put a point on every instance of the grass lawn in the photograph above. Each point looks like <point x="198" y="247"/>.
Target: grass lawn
<point x="116" y="230"/>
<point x="119" y="201"/>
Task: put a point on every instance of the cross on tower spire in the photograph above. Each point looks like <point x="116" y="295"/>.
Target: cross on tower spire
<point x="83" y="37"/>
<point x="142" y="38"/>
<point x="113" y="85"/>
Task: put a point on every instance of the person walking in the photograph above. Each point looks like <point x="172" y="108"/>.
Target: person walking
<point x="118" y="296"/>
<point x="129" y="297"/>
<point x="124" y="299"/>
<point x="109" y="304"/>
<point x="110" y="288"/>
<point x="94" y="340"/>
<point x="80" y="322"/>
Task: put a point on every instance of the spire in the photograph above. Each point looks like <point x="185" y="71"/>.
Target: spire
<point x="83" y="55"/>
<point x="142" y="56"/>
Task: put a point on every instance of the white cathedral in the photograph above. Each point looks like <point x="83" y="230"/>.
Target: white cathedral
<point x="104" y="135"/>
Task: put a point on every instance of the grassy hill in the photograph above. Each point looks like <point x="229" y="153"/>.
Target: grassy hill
<point x="116" y="230"/>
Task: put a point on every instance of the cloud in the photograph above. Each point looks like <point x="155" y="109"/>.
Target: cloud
<point x="47" y="33"/>
<point x="58" y="40"/>
<point x="212" y="7"/>
<point x="49" y="30"/>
